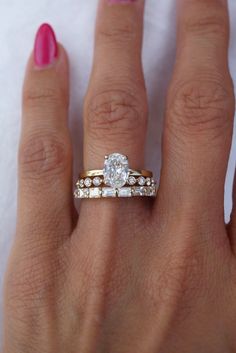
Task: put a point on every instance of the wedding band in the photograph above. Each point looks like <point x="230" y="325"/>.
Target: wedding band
<point x="116" y="179"/>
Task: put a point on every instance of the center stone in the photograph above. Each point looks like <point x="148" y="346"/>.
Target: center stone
<point x="116" y="170"/>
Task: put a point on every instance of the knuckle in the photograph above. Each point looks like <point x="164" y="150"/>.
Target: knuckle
<point x="115" y="114"/>
<point x="30" y="292"/>
<point x="43" y="96"/>
<point x="31" y="280"/>
<point x="200" y="108"/>
<point x="124" y="32"/>
<point x="215" y="24"/>
<point x="43" y="155"/>
<point x="180" y="281"/>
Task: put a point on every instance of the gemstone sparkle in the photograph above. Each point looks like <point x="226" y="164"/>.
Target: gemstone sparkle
<point x="141" y="181"/>
<point x="97" y="181"/>
<point x="132" y="180"/>
<point x="95" y="193"/>
<point x="88" y="182"/>
<point x="108" y="192"/>
<point x="125" y="192"/>
<point x="116" y="170"/>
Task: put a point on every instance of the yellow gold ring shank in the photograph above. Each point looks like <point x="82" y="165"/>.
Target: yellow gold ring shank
<point x="99" y="172"/>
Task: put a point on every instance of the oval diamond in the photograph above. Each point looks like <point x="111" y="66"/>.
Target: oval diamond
<point x="116" y="170"/>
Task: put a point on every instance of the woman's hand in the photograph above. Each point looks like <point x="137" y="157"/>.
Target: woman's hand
<point x="129" y="275"/>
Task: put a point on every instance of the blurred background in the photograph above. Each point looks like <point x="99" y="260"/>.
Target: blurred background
<point x="73" y="21"/>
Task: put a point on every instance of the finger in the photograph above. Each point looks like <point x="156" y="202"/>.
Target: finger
<point x="231" y="226"/>
<point x="45" y="151"/>
<point x="200" y="110"/>
<point x="115" y="109"/>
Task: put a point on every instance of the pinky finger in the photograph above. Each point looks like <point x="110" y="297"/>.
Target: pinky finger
<point x="232" y="223"/>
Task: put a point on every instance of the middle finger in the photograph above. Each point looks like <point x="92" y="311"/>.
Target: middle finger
<point x="115" y="109"/>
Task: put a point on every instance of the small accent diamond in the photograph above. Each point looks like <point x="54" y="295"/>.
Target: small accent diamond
<point x="95" y="193"/>
<point x="77" y="193"/>
<point x="81" y="193"/>
<point x="81" y="183"/>
<point x="97" y="181"/>
<point x="88" y="182"/>
<point x="108" y="192"/>
<point x="141" y="181"/>
<point x="148" y="182"/>
<point x="153" y="191"/>
<point x="125" y="192"/>
<point x="132" y="180"/>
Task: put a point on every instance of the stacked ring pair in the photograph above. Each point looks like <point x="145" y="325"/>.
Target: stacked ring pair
<point x="115" y="180"/>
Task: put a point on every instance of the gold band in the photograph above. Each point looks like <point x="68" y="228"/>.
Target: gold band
<point x="99" y="172"/>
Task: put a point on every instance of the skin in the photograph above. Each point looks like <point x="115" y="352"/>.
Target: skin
<point x="132" y="275"/>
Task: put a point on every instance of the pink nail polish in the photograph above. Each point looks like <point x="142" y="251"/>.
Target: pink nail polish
<point x="121" y="1"/>
<point x="45" y="46"/>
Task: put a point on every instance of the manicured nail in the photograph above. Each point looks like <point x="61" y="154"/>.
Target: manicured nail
<point x="121" y="1"/>
<point x="45" y="46"/>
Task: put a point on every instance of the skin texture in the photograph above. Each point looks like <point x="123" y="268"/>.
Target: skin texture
<point x="127" y="275"/>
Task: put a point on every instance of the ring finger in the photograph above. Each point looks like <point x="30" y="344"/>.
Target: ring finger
<point x="115" y="109"/>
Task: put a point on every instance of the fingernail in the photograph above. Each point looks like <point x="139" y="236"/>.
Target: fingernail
<point x="121" y="1"/>
<point x="45" y="46"/>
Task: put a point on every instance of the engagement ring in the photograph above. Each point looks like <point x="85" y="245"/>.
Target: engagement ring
<point x="116" y="179"/>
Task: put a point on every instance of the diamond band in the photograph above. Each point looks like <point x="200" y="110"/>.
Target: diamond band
<point x="115" y="180"/>
<point x="108" y="192"/>
<point x="98" y="181"/>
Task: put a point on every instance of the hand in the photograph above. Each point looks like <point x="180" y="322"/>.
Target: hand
<point x="131" y="275"/>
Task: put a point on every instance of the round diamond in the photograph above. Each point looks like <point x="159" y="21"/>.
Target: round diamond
<point x="132" y="180"/>
<point x="116" y="170"/>
<point x="148" y="181"/>
<point x="141" y="181"/>
<point x="88" y="182"/>
<point x="97" y="181"/>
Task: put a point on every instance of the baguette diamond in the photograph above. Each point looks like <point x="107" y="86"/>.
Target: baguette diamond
<point x="108" y="192"/>
<point x="125" y="192"/>
<point x="95" y="193"/>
